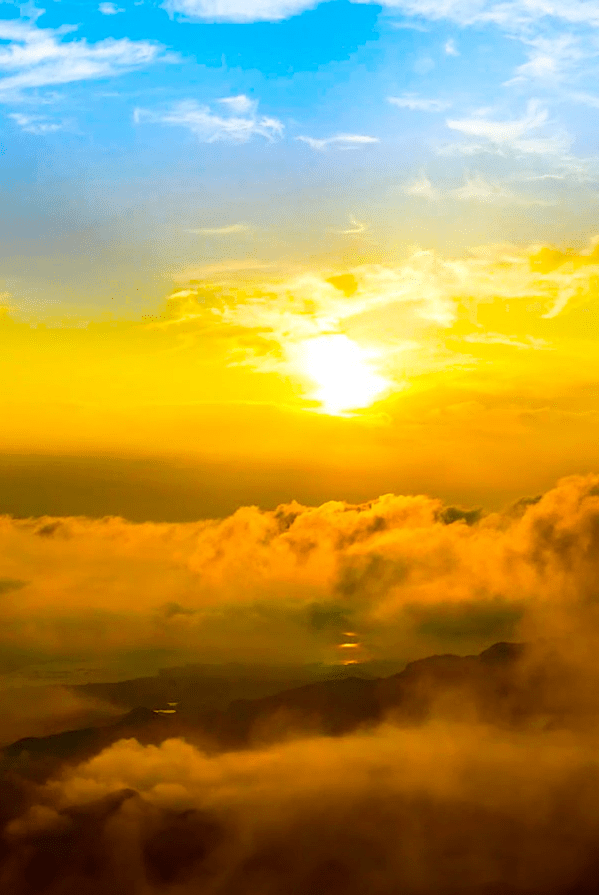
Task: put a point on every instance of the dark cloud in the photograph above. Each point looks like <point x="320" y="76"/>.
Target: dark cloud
<point x="441" y="809"/>
<point x="449" y="515"/>
<point x="10" y="584"/>
<point x="484" y="780"/>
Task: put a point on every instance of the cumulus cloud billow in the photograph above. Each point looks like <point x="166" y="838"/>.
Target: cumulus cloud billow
<point x="441" y="809"/>
<point x="248" y="586"/>
<point x="453" y="800"/>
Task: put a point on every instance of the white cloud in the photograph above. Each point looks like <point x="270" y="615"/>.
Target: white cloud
<point x="501" y="131"/>
<point x="355" y="228"/>
<point x="419" y="104"/>
<point x="549" y="59"/>
<point x="239" y="104"/>
<point x="231" y="230"/>
<point x="481" y="190"/>
<point x="477" y="189"/>
<point x="110" y="9"/>
<point x="586" y="99"/>
<point x="210" y="127"/>
<point x="511" y="14"/>
<point x="344" y="141"/>
<point x="38" y="57"/>
<point x="512" y="134"/>
<point x="490" y="338"/>
<point x="422" y="188"/>
<point x="450" y="48"/>
<point x="35" y="124"/>
<point x="239" y="10"/>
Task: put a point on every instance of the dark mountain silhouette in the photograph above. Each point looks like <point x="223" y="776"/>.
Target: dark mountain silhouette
<point x="205" y="686"/>
<point x="509" y="685"/>
<point x="500" y="686"/>
<point x="363" y="838"/>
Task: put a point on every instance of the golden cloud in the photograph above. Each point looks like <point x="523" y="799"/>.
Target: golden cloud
<point x="407" y="574"/>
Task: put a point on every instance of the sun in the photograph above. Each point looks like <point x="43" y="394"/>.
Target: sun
<point x="342" y="372"/>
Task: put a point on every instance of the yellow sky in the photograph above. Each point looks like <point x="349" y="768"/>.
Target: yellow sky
<point x="473" y="376"/>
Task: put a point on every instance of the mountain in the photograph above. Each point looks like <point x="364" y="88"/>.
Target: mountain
<point x="497" y="686"/>
<point x="206" y="686"/>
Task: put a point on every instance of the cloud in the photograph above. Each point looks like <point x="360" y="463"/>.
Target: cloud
<point x="450" y="48"/>
<point x="210" y="127"/>
<point x="422" y="188"/>
<point x="227" y="268"/>
<point x="512" y="134"/>
<point x="240" y="104"/>
<point x="110" y="9"/>
<point x="104" y="587"/>
<point x="587" y="99"/>
<point x="515" y="15"/>
<point x="477" y="189"/>
<point x="489" y="338"/>
<point x="549" y="60"/>
<point x="344" y="141"/>
<point x="418" y="104"/>
<point x="242" y="11"/>
<point x="356" y="227"/>
<point x="443" y="808"/>
<point x="501" y="131"/>
<point x="413" y="306"/>
<point x="39" y="57"/>
<point x="35" y="124"/>
<point x="230" y="230"/>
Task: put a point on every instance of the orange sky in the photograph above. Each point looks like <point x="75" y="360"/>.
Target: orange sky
<point x="470" y="378"/>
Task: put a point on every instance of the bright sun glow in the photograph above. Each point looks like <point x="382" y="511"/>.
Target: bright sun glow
<point x="342" y="372"/>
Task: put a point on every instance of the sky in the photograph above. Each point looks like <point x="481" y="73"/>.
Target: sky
<point x="271" y="254"/>
<point x="323" y="250"/>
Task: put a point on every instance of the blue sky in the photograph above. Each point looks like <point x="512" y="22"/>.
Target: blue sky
<point x="139" y="138"/>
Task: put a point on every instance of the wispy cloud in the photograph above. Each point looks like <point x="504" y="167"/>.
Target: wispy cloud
<point x="422" y="188"/>
<point x="549" y="59"/>
<point x="511" y="14"/>
<point x="355" y="228"/>
<point x="586" y="99"/>
<point x="342" y="141"/>
<point x="211" y="127"/>
<point x="450" y="48"/>
<point x="220" y="231"/>
<point x="36" y="124"/>
<point x="514" y="15"/>
<point x="513" y="134"/>
<point x="419" y="104"/>
<point x="491" y="338"/>
<point x="32" y="57"/>
<point x="239" y="10"/>
<point x="478" y="189"/>
<point x="506" y="131"/>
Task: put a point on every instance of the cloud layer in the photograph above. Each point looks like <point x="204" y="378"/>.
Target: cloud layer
<point x="441" y="809"/>
<point x="409" y="576"/>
